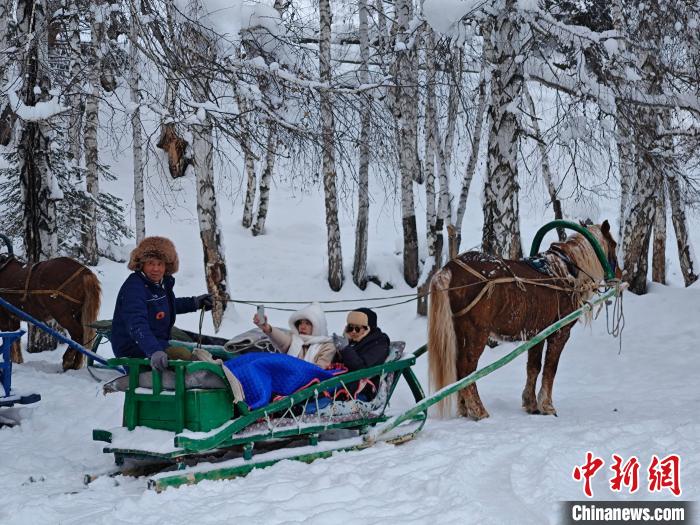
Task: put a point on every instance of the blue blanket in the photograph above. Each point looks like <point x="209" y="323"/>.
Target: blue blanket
<point x="264" y="375"/>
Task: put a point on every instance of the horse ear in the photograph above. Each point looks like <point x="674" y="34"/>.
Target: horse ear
<point x="605" y="227"/>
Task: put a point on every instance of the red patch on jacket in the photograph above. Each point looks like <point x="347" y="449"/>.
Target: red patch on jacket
<point x="160" y="315"/>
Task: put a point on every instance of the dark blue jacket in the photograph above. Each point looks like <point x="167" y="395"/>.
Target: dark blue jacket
<point x="144" y="315"/>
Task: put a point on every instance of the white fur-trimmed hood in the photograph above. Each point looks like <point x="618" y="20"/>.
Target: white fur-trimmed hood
<point x="313" y="313"/>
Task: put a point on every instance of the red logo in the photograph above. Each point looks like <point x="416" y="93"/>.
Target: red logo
<point x="160" y="315"/>
<point x="587" y="471"/>
<point x="663" y="473"/>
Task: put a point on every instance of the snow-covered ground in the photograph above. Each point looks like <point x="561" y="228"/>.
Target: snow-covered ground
<point x="510" y="468"/>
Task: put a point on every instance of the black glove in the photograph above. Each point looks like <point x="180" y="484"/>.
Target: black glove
<point x="205" y="301"/>
<point x="159" y="360"/>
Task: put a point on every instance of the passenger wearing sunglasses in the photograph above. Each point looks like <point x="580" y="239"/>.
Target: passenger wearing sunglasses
<point x="368" y="345"/>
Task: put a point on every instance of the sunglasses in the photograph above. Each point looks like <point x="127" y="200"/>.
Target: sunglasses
<point x="354" y="328"/>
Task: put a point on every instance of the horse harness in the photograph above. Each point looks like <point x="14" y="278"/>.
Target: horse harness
<point x="52" y="293"/>
<point x="491" y="283"/>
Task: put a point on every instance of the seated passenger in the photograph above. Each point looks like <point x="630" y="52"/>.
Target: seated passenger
<point x="146" y="306"/>
<point x="308" y="338"/>
<point x="368" y="345"/>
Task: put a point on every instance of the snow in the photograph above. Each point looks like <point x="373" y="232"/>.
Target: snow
<point x="443" y="15"/>
<point x="510" y="468"/>
<point x="42" y="110"/>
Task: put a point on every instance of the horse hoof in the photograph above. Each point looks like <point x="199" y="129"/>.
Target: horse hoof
<point x="479" y="414"/>
<point x="531" y="409"/>
<point x="548" y="411"/>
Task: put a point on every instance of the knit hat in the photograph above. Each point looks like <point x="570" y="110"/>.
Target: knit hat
<point x="363" y="317"/>
<point x="154" y="248"/>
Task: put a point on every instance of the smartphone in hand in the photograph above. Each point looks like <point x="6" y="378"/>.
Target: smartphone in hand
<point x="261" y="314"/>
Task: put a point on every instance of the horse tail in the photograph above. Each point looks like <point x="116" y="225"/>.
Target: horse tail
<point x="91" y="305"/>
<point x="442" y="341"/>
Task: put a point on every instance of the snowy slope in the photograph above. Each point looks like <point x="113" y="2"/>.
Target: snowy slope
<point x="510" y="468"/>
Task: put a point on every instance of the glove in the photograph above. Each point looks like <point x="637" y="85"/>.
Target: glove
<point x="205" y="301"/>
<point x="159" y="360"/>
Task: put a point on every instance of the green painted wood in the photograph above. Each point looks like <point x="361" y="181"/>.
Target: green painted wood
<point x="441" y="394"/>
<point x="282" y="434"/>
<point x="177" y="480"/>
<point x="602" y="257"/>
<point x="243" y="421"/>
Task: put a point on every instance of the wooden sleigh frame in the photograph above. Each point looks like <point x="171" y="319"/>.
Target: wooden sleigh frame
<point x="283" y="429"/>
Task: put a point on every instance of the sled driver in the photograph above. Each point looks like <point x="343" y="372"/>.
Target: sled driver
<point x="146" y="305"/>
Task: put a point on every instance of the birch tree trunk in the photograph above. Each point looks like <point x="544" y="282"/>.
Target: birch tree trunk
<point x="207" y="212"/>
<point x="471" y="164"/>
<point x="430" y="154"/>
<point x="137" y="138"/>
<point x="75" y="99"/>
<point x="251" y="180"/>
<point x="627" y="166"/>
<point x="429" y="159"/>
<point x="38" y="185"/>
<point x="658" y="261"/>
<point x="686" y="254"/>
<point x="359" y="267"/>
<point x="89" y="244"/>
<point x="501" y="234"/>
<point x="266" y="178"/>
<point x="544" y="160"/>
<point x="335" y="257"/>
<point x="404" y="101"/>
<point x="638" y="230"/>
<point x="7" y="33"/>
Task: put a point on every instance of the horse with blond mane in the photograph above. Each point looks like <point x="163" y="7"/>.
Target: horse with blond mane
<point x="475" y="296"/>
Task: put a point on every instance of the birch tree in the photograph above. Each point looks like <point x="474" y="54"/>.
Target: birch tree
<point x="76" y="76"/>
<point x="689" y="266"/>
<point x="136" y="131"/>
<point x="204" y="53"/>
<point x="92" y="120"/>
<point x="266" y="178"/>
<point x="39" y="187"/>
<point x="335" y="257"/>
<point x="547" y="176"/>
<point x="470" y="169"/>
<point x="501" y="234"/>
<point x="658" y="262"/>
<point x="403" y="106"/>
<point x="359" y="268"/>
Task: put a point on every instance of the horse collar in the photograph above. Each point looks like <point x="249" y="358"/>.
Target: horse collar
<point x="570" y="266"/>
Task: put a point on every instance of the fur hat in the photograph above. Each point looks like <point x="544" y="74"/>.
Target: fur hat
<point x="363" y="317"/>
<point x="156" y="248"/>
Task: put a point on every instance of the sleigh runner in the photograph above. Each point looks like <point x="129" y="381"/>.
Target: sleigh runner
<point x="185" y="425"/>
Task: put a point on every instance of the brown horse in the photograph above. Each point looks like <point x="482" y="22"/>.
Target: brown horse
<point x="60" y="289"/>
<point x="476" y="296"/>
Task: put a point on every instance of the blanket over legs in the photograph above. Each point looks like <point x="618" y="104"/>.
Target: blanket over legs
<point x="264" y="375"/>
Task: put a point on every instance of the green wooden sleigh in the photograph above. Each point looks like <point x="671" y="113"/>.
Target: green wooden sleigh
<point x="184" y="426"/>
<point x="186" y="435"/>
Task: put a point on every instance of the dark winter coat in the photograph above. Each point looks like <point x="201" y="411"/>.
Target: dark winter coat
<point x="144" y="315"/>
<point x="371" y="350"/>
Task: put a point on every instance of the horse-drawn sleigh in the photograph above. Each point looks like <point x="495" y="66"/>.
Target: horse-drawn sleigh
<point x="172" y="421"/>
